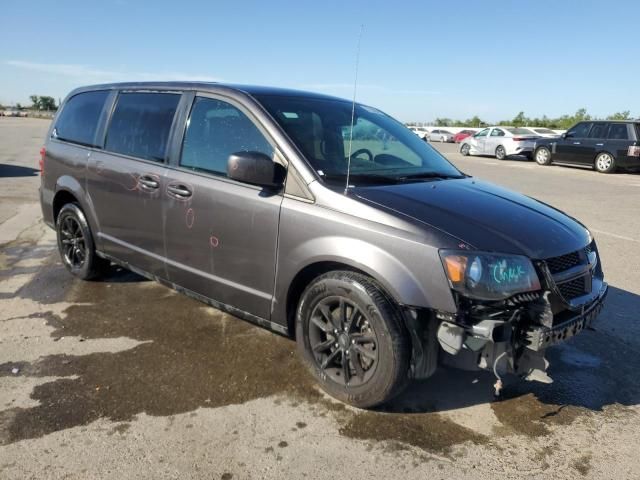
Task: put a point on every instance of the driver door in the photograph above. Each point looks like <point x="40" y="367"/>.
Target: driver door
<point x="570" y="146"/>
<point x="220" y="234"/>
<point x="480" y="140"/>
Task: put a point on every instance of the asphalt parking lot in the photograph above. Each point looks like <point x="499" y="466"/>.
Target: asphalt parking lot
<point x="124" y="378"/>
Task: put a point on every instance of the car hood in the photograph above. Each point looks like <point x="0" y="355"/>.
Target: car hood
<point x="482" y="215"/>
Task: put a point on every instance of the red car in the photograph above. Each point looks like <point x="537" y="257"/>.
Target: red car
<point x="462" y="134"/>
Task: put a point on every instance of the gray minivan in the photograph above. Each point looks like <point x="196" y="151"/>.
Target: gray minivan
<point x="319" y="219"/>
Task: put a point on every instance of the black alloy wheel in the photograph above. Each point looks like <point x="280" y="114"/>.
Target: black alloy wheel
<point x="74" y="246"/>
<point x="343" y="342"/>
<point x="75" y="243"/>
<point x="352" y="338"/>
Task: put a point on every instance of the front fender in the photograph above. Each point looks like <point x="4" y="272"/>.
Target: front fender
<point x="379" y="264"/>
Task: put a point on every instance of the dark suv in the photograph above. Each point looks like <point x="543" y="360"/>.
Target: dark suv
<point x="603" y="145"/>
<point x="319" y="219"/>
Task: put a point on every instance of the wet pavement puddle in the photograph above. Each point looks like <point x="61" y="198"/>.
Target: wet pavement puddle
<point x="190" y="356"/>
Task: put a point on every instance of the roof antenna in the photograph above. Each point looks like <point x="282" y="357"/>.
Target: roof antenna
<point x="353" y="111"/>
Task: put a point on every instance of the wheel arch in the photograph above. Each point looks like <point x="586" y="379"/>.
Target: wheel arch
<point x="604" y="150"/>
<point x="69" y="189"/>
<point x="395" y="280"/>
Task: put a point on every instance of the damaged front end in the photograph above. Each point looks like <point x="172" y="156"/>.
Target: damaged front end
<point x="510" y="309"/>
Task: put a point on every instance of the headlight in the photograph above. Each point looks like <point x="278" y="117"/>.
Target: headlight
<point x="489" y="276"/>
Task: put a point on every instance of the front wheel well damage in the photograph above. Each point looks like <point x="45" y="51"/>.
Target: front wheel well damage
<point x="420" y="323"/>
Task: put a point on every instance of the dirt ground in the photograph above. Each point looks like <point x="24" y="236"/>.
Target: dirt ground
<point x="124" y="378"/>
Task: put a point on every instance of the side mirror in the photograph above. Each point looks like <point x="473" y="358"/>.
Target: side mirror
<point x="564" y="136"/>
<point x="256" y="168"/>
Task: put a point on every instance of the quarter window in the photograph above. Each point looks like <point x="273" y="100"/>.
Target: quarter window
<point x="579" y="131"/>
<point x="141" y="123"/>
<point x="599" y="130"/>
<point x="78" y="121"/>
<point x="216" y="130"/>
<point x="618" y="131"/>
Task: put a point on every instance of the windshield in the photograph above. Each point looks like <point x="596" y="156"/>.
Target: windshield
<point x="382" y="149"/>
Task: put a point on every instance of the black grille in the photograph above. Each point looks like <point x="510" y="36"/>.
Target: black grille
<point x="573" y="288"/>
<point x="563" y="262"/>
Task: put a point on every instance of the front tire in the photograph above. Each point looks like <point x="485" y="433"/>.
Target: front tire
<point x="501" y="153"/>
<point x="75" y="244"/>
<point x="465" y="149"/>
<point x="542" y="156"/>
<point x="605" y="163"/>
<point x="352" y="339"/>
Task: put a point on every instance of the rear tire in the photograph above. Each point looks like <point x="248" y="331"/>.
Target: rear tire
<point x="76" y="245"/>
<point x="542" y="156"/>
<point x="352" y="338"/>
<point x="605" y="163"/>
<point x="501" y="153"/>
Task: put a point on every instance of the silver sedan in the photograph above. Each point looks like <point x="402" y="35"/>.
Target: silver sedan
<point x="500" y="142"/>
<point x="439" y="135"/>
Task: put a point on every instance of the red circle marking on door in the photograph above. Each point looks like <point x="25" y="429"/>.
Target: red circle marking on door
<point x="190" y="218"/>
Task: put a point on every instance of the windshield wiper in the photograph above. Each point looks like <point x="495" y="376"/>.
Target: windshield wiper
<point x="429" y="175"/>
<point x="356" y="178"/>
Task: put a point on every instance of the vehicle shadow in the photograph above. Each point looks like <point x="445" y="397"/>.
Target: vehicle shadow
<point x="7" y="171"/>
<point x="594" y="370"/>
<point x="117" y="274"/>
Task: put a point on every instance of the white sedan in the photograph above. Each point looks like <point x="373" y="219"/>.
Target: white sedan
<point x="439" y="135"/>
<point x="500" y="142"/>
<point x="542" y="132"/>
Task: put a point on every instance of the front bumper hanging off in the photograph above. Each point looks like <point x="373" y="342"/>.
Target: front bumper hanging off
<point x="541" y="337"/>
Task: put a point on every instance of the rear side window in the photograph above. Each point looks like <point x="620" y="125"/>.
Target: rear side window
<point x="496" y="132"/>
<point x="618" y="131"/>
<point x="599" y="130"/>
<point x="215" y="130"/>
<point x="78" y="121"/>
<point x="140" y="124"/>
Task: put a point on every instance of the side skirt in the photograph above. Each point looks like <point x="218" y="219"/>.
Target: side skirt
<point x="236" y="312"/>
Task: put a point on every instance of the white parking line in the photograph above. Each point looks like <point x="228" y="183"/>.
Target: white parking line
<point x="621" y="237"/>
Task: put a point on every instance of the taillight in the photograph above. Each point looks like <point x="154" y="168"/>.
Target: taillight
<point x="518" y="139"/>
<point x="43" y="153"/>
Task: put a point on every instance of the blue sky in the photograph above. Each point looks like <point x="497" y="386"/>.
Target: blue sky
<point x="419" y="59"/>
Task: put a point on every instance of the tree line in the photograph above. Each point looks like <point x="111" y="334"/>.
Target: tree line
<point x="38" y="102"/>
<point x="521" y="120"/>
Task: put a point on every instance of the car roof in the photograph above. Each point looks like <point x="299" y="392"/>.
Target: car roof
<point x="209" y="86"/>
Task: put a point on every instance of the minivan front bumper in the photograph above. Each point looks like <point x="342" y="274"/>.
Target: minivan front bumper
<point x="541" y="337"/>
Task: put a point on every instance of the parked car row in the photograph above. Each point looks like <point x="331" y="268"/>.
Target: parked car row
<point x="602" y="145"/>
<point x="12" y="113"/>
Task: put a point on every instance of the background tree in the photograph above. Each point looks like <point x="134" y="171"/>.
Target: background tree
<point x="35" y="102"/>
<point x="443" y="122"/>
<point x="47" y="103"/>
<point x="626" y="115"/>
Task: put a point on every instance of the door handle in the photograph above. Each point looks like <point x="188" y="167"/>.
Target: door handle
<point x="149" y="182"/>
<point x="179" y="191"/>
<point x="576" y="143"/>
<point x="599" y="144"/>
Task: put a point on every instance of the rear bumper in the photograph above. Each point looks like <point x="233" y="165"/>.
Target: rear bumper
<point x="522" y="148"/>
<point x="539" y="337"/>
